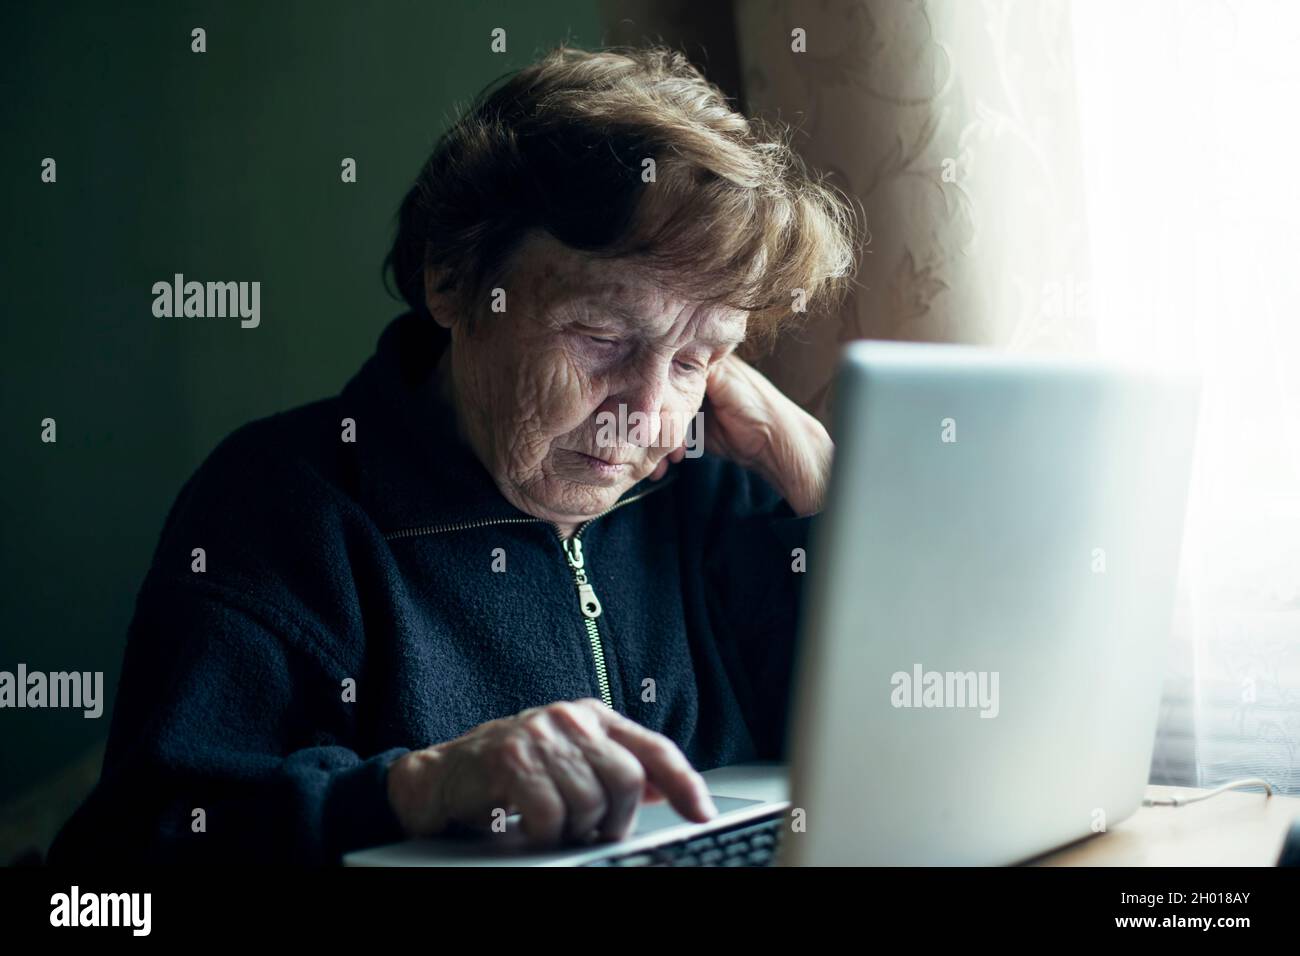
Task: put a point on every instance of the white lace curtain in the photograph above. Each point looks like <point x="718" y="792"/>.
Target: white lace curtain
<point x="1112" y="176"/>
<point x="1190" y="153"/>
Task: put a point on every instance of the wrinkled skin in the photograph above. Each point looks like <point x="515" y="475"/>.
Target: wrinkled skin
<point x="579" y="337"/>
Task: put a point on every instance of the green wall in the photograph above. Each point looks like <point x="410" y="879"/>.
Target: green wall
<point x="222" y="166"/>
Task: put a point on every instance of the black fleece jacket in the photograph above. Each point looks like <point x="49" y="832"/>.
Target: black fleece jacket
<point x="352" y="606"/>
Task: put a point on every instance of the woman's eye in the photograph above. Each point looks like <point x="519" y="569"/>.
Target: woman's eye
<point x="691" y="368"/>
<point x="601" y="341"/>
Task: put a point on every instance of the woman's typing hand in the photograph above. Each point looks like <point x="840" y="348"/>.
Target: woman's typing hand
<point x="575" y="771"/>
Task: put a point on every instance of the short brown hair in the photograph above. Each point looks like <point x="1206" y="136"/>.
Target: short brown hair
<point x="733" y="215"/>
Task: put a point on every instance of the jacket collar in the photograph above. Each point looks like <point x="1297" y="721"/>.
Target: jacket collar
<point x="414" y="468"/>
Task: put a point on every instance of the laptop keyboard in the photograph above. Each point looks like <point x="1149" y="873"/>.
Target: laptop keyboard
<point x="752" y="843"/>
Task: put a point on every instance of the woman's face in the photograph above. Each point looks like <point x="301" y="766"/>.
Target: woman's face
<point x="582" y="345"/>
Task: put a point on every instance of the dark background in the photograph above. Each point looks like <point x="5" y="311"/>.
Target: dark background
<point x="224" y="166"/>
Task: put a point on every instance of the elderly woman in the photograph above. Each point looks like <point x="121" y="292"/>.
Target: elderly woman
<point x="496" y="573"/>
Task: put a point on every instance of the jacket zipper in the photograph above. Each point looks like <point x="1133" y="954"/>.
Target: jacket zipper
<point x="588" y="602"/>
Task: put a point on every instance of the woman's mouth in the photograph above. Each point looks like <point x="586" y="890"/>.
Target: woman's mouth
<point x="602" y="468"/>
<point x="612" y="467"/>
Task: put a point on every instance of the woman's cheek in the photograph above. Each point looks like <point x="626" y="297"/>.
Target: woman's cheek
<point x="567" y="390"/>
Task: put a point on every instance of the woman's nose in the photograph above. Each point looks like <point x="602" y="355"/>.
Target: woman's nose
<point x="643" y="394"/>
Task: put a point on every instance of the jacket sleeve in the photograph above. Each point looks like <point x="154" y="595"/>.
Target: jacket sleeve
<point x="755" y="570"/>
<point x="229" y="743"/>
<point x="232" y="738"/>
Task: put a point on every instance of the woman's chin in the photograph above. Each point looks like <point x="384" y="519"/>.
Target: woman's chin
<point x="571" y="489"/>
<point x="569" y="501"/>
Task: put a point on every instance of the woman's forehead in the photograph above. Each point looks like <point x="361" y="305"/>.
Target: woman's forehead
<point x="651" y="311"/>
<point x="565" y="281"/>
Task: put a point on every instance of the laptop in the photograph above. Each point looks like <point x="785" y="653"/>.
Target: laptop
<point x="988" y="603"/>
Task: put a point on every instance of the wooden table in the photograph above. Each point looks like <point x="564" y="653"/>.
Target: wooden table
<point x="1232" y="829"/>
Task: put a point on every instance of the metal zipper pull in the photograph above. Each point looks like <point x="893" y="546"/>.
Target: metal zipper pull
<point x="590" y="603"/>
<point x="587" y="600"/>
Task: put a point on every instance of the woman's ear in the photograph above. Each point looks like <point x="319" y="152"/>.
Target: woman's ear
<point x="437" y="301"/>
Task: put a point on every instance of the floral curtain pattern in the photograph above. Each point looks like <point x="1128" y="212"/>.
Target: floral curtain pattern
<point x="953" y="124"/>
